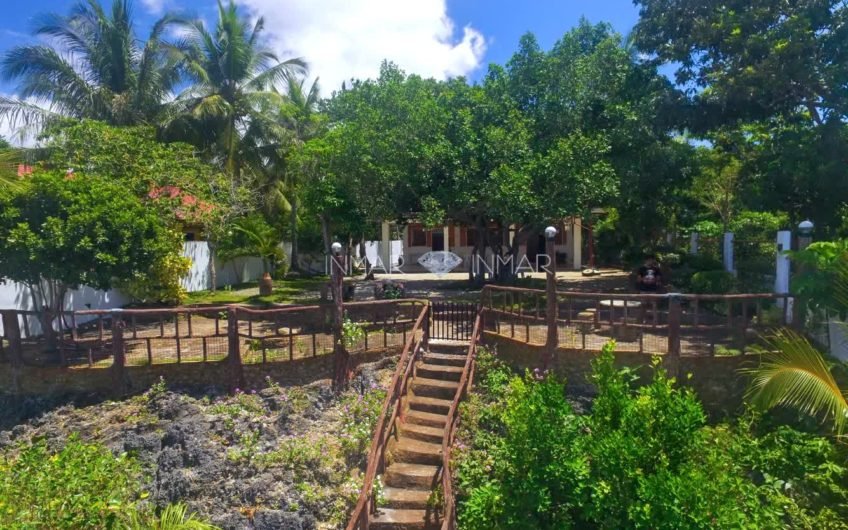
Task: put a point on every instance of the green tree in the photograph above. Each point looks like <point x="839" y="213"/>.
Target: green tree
<point x="750" y="63"/>
<point x="59" y="233"/>
<point x="770" y="80"/>
<point x="231" y="75"/>
<point x="590" y="96"/>
<point x="717" y="187"/>
<point x="131" y="156"/>
<point x="272" y="141"/>
<point x="98" y="69"/>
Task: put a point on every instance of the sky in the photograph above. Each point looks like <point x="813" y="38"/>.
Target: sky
<point x="343" y="39"/>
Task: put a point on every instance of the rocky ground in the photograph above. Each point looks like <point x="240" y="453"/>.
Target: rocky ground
<point x="262" y="459"/>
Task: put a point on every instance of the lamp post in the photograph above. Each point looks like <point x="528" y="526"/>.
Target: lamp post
<point x="805" y="234"/>
<point x="340" y="353"/>
<point x="795" y="311"/>
<point x="551" y="296"/>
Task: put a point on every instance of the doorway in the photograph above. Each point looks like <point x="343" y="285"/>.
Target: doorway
<point x="438" y="238"/>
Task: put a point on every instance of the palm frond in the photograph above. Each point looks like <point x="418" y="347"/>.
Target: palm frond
<point x="278" y="73"/>
<point x="794" y="374"/>
<point x="26" y="119"/>
<point x="173" y="517"/>
<point x="46" y="75"/>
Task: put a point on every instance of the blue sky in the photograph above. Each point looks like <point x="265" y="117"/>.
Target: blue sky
<point x="348" y="38"/>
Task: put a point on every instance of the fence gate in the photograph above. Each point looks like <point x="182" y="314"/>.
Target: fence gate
<point x="452" y="320"/>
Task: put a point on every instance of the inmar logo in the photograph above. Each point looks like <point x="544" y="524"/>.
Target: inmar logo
<point x="439" y="262"/>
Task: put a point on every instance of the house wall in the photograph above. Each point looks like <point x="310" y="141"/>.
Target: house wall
<point x="411" y="253"/>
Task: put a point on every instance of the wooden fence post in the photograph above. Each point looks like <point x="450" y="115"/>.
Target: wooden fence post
<point x="12" y="332"/>
<point x="118" y="354"/>
<point x="234" y="349"/>
<point x="674" y="317"/>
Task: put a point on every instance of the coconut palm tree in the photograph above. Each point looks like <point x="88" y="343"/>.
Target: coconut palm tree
<point x="232" y="76"/>
<point x="793" y="373"/>
<point x="94" y="68"/>
<point x="278" y="132"/>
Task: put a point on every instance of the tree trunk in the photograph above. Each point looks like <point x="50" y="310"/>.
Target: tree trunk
<point x="293" y="264"/>
<point x="48" y="306"/>
<point x="213" y="272"/>
<point x="325" y="232"/>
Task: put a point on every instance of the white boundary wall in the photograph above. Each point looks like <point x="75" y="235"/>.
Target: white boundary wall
<point x="239" y="270"/>
<point x="14" y="295"/>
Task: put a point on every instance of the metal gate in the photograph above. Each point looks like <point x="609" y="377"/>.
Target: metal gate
<point x="452" y="320"/>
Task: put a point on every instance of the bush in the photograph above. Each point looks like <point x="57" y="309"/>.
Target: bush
<point x="713" y="282"/>
<point x="163" y="284"/>
<point x="81" y="486"/>
<point x="643" y="458"/>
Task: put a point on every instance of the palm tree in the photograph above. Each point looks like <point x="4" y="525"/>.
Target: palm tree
<point x="277" y="133"/>
<point x="793" y="373"/>
<point x="98" y="69"/>
<point x="257" y="238"/>
<point x="306" y="124"/>
<point x="232" y="76"/>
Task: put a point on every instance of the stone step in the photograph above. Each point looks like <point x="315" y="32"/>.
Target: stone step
<point x="411" y="451"/>
<point x="419" y="417"/>
<point x="448" y="346"/>
<point x="445" y="358"/>
<point x="423" y="432"/>
<point x="389" y="519"/>
<point x="430" y="404"/>
<point x="410" y="476"/>
<point x="440" y="371"/>
<point x="397" y="498"/>
<point x="423" y="386"/>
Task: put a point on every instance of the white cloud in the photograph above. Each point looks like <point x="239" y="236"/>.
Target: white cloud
<point x="343" y="39"/>
<point x="154" y="6"/>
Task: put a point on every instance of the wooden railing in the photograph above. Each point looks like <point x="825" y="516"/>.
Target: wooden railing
<point x="687" y="324"/>
<point x="387" y="427"/>
<point x="465" y="382"/>
<point x="198" y="334"/>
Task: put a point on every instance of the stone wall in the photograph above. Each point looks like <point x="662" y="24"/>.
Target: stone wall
<point x="716" y="380"/>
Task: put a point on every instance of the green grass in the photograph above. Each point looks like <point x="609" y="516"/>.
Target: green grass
<point x="287" y="291"/>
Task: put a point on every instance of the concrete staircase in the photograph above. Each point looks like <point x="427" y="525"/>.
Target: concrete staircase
<point x="415" y="457"/>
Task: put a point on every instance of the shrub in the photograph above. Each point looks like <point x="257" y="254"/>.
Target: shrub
<point x="80" y="486"/>
<point x="643" y="458"/>
<point x="361" y="412"/>
<point x="713" y="282"/>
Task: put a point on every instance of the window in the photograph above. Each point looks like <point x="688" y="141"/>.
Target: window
<point x="417" y="236"/>
<point x="471" y="236"/>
